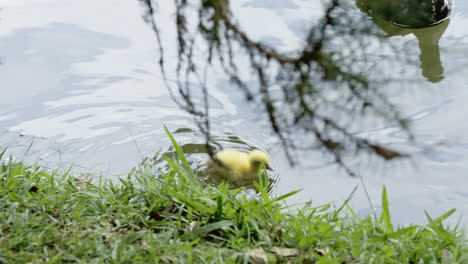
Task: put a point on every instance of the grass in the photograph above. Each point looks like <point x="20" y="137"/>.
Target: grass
<point x="52" y="216"/>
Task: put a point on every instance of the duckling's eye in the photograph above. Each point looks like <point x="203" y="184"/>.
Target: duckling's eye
<point x="257" y="162"/>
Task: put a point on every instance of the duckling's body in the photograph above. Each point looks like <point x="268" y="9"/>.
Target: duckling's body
<point x="238" y="166"/>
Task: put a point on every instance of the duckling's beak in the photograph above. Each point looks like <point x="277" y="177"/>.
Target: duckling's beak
<point x="269" y="168"/>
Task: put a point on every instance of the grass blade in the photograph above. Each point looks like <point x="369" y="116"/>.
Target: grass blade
<point x="285" y="196"/>
<point x="385" y="216"/>
<point x="444" y="216"/>
<point x="179" y="151"/>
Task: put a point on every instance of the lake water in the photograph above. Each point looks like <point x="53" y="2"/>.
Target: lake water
<point x="79" y="80"/>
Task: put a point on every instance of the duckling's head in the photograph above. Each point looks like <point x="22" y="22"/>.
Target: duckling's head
<point x="258" y="157"/>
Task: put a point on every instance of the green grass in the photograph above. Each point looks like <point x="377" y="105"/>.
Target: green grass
<point x="172" y="217"/>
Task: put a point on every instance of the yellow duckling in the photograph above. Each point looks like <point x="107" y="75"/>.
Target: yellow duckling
<point x="239" y="166"/>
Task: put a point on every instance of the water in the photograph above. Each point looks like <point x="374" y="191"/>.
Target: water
<point x="79" y="80"/>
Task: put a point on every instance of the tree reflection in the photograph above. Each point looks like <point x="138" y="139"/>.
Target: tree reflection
<point x="313" y="97"/>
<point x="400" y="18"/>
<point x="408" y="13"/>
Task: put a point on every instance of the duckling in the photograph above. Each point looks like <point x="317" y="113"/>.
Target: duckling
<point x="238" y="166"/>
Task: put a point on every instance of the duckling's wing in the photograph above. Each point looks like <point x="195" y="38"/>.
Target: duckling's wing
<point x="234" y="160"/>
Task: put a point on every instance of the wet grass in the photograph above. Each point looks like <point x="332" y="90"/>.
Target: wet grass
<point x="49" y="216"/>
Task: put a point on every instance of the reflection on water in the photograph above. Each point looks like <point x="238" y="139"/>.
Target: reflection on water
<point x="408" y="13"/>
<point x="417" y="18"/>
<point x="428" y="39"/>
